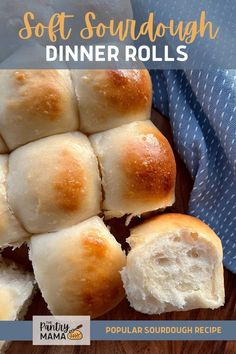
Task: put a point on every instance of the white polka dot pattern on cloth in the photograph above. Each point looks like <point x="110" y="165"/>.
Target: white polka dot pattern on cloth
<point x="203" y="51"/>
<point x="201" y="107"/>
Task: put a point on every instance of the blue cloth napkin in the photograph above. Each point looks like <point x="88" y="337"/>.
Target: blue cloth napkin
<point x="201" y="107"/>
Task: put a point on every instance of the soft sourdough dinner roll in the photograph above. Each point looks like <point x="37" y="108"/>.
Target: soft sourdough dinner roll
<point x="77" y="269"/>
<point x="16" y="291"/>
<point x="175" y="264"/>
<point x="138" y="169"/>
<point x="36" y="104"/>
<point x="54" y="182"/>
<point x="11" y="230"/>
<point x="110" y="98"/>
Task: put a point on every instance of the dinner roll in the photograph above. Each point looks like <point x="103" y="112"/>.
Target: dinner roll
<point x="138" y="169"/>
<point x="10" y="229"/>
<point x="77" y="269"/>
<point x="16" y="291"/>
<point x="175" y="264"/>
<point x="54" y="182"/>
<point x="3" y="146"/>
<point x="36" y="104"/>
<point x="110" y="98"/>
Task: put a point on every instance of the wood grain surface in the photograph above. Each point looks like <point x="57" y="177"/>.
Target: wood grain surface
<point x="124" y="312"/>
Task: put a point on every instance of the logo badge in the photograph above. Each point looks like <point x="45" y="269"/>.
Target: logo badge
<point x="61" y="330"/>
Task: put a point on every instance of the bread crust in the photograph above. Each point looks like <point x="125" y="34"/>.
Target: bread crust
<point x="36" y="104"/>
<point x="116" y="97"/>
<point x="138" y="169"/>
<point x="149" y="166"/>
<point x="128" y="91"/>
<point x="83" y="269"/>
<point x="39" y="95"/>
<point x="171" y="222"/>
<point x="57" y="180"/>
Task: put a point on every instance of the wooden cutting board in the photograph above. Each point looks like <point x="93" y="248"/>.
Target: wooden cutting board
<point x="124" y="312"/>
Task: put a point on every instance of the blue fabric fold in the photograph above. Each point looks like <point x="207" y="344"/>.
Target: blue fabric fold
<point x="201" y="107"/>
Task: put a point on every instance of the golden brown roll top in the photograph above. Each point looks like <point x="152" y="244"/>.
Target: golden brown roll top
<point x="168" y="223"/>
<point x="40" y="103"/>
<point x="110" y="98"/>
<point x="11" y="231"/>
<point x="77" y="269"/>
<point x="138" y="169"/>
<point x="54" y="182"/>
<point x="36" y="104"/>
